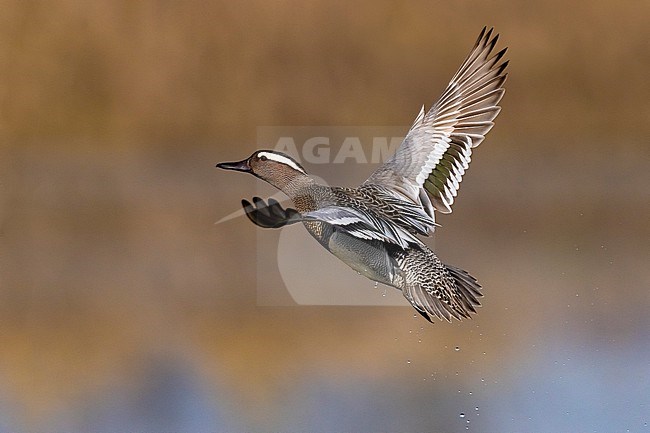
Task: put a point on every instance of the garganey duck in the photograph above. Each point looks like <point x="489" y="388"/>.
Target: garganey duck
<point x="374" y="228"/>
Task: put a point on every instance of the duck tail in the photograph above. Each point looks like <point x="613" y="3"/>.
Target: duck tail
<point x="437" y="289"/>
<point x="468" y="288"/>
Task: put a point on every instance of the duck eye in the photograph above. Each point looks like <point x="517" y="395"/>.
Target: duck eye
<point x="263" y="158"/>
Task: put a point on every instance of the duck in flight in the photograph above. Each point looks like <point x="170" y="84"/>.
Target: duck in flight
<point x="375" y="227"/>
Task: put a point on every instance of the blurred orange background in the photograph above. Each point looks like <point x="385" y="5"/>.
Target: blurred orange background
<point x="123" y="307"/>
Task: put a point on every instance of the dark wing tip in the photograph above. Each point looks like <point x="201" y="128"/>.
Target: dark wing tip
<point x="480" y="37"/>
<point x="248" y="207"/>
<point x="488" y="35"/>
<point x="269" y="215"/>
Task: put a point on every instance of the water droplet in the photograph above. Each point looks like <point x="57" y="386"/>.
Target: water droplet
<point x="419" y="340"/>
<point x="408" y="361"/>
<point x="462" y="415"/>
<point x="476" y="408"/>
<point x="384" y="292"/>
<point x="376" y="285"/>
<point x="457" y="349"/>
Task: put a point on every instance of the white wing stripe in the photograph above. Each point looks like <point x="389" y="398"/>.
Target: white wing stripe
<point x="362" y="224"/>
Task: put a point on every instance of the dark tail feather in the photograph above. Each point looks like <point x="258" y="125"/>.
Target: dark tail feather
<point x="468" y="287"/>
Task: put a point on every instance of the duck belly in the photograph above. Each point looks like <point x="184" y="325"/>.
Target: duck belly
<point x="370" y="258"/>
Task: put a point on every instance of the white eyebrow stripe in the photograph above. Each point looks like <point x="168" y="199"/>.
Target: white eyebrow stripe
<point x="282" y="160"/>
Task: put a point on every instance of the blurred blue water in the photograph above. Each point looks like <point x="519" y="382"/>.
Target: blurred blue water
<point x="172" y="397"/>
<point x="564" y="388"/>
<point x="577" y="389"/>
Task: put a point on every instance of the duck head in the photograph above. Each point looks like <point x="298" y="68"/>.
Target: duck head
<point x="276" y="168"/>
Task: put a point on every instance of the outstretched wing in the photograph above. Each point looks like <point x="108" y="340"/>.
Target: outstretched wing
<point x="359" y="223"/>
<point x="271" y="215"/>
<point x="437" y="149"/>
